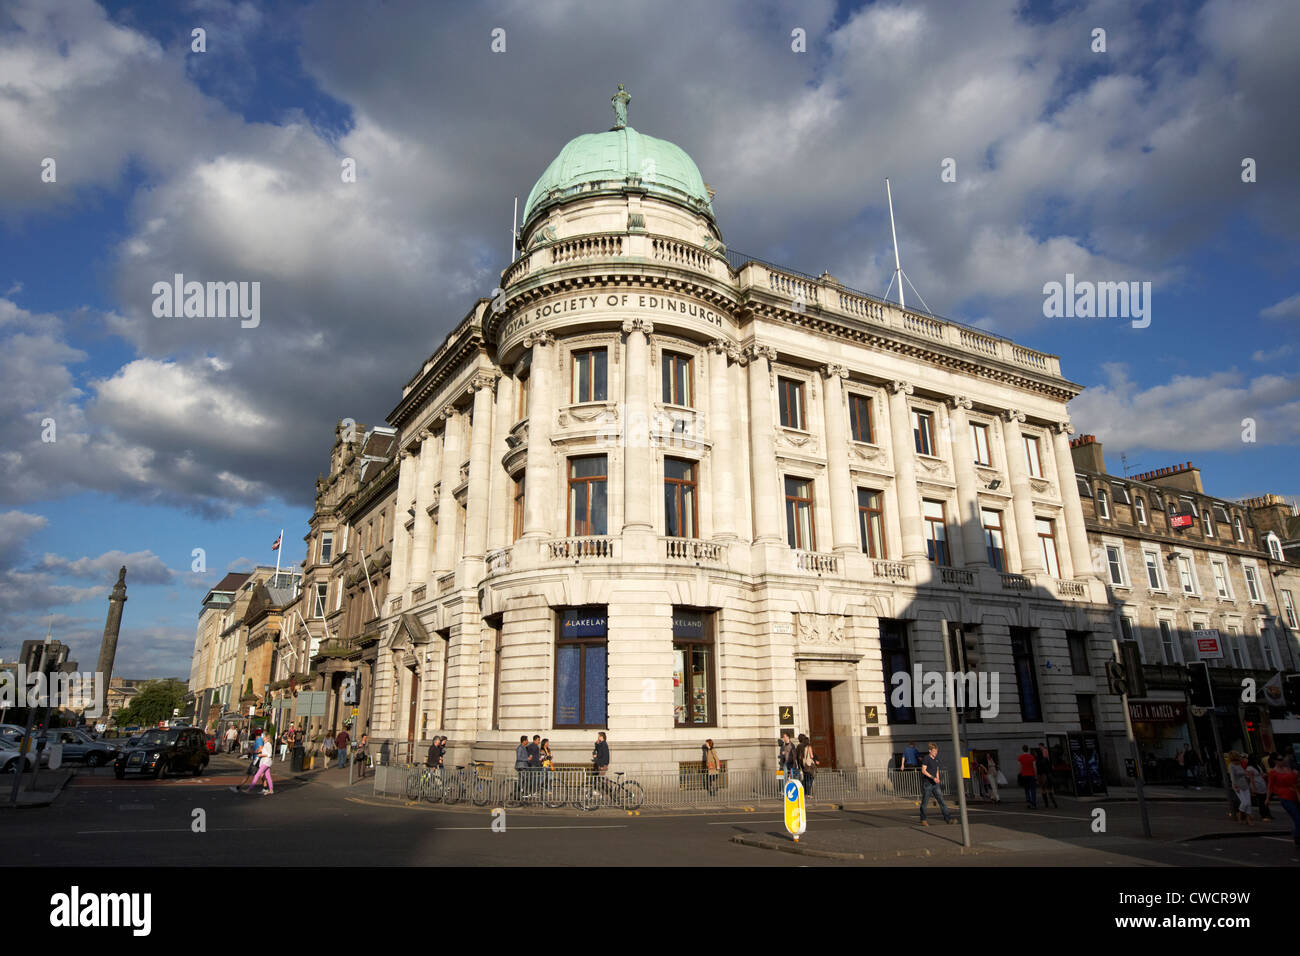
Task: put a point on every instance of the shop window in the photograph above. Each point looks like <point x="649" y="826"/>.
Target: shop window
<point x="895" y="658"/>
<point x="693" y="668"/>
<point x="581" y="689"/>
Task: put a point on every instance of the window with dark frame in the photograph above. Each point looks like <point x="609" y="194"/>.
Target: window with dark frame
<point x="590" y="375"/>
<point x="677" y="379"/>
<point x="1022" y="653"/>
<point x="895" y="658"/>
<point x="936" y="532"/>
<point x="923" y="432"/>
<point x="588" y="507"/>
<point x="693" y="668"/>
<point x="518" y="499"/>
<point x="860" y="419"/>
<point x="800" y="532"/>
<point x="521" y="406"/>
<point x="791" y="401"/>
<point x="1078" y="645"/>
<point x="1047" y="540"/>
<point x="993" y="542"/>
<point x="681" y="514"/>
<point x="326" y="547"/>
<point x="979" y="437"/>
<point x="581" y="685"/>
<point x="871" y="523"/>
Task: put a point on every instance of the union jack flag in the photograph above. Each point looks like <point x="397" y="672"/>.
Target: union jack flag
<point x="276" y="546"/>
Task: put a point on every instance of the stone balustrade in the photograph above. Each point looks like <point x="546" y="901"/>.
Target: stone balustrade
<point x="1015" y="582"/>
<point x="817" y="561"/>
<point x="498" y="561"/>
<point x="694" y="550"/>
<point x="576" y="549"/>
<point x="957" y="576"/>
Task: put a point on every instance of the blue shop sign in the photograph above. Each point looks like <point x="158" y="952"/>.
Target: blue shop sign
<point x="688" y="624"/>
<point x="584" y="622"/>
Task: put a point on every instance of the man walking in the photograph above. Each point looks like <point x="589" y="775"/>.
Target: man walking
<point x="232" y="739"/>
<point x="1043" y="767"/>
<point x="341" y="742"/>
<point x="1028" y="776"/>
<point x="521" y="765"/>
<point x="600" y="760"/>
<point x="930" y="785"/>
<point x="789" y="764"/>
<point x="910" y="762"/>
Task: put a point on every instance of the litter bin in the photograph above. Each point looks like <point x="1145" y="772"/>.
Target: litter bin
<point x="299" y="758"/>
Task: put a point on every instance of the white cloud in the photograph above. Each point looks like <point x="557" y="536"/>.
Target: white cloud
<point x="142" y="567"/>
<point x="1288" y="308"/>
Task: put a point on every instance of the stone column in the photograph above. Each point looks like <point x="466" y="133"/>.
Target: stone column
<point x="723" y="455"/>
<point x="766" y="487"/>
<point x="963" y="465"/>
<point x="638" y="460"/>
<point x="539" y="487"/>
<point x="451" y="455"/>
<point x="1031" y="558"/>
<point x="108" y="646"/>
<point x="499" y="505"/>
<point x="1074" y="527"/>
<point x="843" y="511"/>
<point x="422" y="533"/>
<point x="407" y="474"/>
<point x="480" y="445"/>
<point x="909" y="499"/>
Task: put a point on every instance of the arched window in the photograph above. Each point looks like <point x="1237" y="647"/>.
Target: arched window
<point x="1236" y="524"/>
<point x="1274" y="547"/>
<point x="1207" y="523"/>
<point x="1140" y="507"/>
<point x="1103" y="503"/>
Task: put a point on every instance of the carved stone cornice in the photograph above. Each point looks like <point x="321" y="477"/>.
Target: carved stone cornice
<point x="959" y="401"/>
<point x="834" y="371"/>
<point x="737" y="355"/>
<point x="756" y="352"/>
<point x="720" y="345"/>
<point x="449" y="414"/>
<point x="541" y="337"/>
<point x="484" y="380"/>
<point x="900" y="387"/>
<point x="1013" y="415"/>
<point x="1063" y="428"/>
<point x="638" y="325"/>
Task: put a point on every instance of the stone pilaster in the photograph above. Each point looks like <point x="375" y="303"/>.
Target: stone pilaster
<point x="766" y="487"/>
<point x="407" y="475"/>
<point x="638" y="460"/>
<point x="909" y="500"/>
<point x="451" y="456"/>
<point x="539" y="490"/>
<point x="480" y="445"/>
<point x="963" y="465"/>
<point x="723" y="456"/>
<point x="422" y="533"/>
<point x="1031" y="559"/>
<point x="843" y="533"/>
<point x="1073" y="507"/>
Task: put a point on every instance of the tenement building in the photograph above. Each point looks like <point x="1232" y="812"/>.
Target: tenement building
<point x="658" y="491"/>
<point x="1194" y="579"/>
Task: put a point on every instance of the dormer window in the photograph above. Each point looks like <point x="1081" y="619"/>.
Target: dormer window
<point x="1103" y="503"/>
<point x="1236" y="527"/>
<point x="1140" y="509"/>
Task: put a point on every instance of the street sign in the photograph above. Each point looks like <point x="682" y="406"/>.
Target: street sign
<point x="785" y="715"/>
<point x="311" y="703"/>
<point x="355" y="711"/>
<point x="795" y="813"/>
<point x="873" y="716"/>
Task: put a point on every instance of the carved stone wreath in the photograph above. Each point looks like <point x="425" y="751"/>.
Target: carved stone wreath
<point x="819" y="628"/>
<point x="867" y="453"/>
<point x="1040" y="485"/>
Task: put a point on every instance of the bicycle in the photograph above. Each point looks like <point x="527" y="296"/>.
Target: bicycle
<point x="545" y="790"/>
<point x="459" y="786"/>
<point x="424" y="783"/>
<point x="625" y="795"/>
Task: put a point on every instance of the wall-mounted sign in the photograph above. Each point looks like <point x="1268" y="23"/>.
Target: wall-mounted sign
<point x="1208" y="643"/>
<point x="785" y="715"/>
<point x="1158" y="711"/>
<point x="873" y="715"/>
<point x="1181" y="520"/>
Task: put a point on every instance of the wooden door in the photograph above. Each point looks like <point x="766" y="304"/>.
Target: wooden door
<point x="414" y="708"/>
<point x="821" y="723"/>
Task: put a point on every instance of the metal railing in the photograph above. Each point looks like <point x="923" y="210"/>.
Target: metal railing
<point x="683" y="788"/>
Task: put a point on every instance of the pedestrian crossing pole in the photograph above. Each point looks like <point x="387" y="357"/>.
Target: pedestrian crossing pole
<point x="1133" y="747"/>
<point x="956" y="735"/>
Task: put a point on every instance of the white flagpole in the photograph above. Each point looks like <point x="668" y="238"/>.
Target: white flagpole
<point x="279" y="549"/>
<point x="514" y="232"/>
<point x="898" y="268"/>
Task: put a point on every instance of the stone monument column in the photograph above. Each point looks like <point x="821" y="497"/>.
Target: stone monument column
<point x="963" y="466"/>
<point x="1074" y="527"/>
<point x="539" y="480"/>
<point x="722" y="457"/>
<point x="108" y="647"/>
<point x="1031" y="559"/>
<point x="843" y="517"/>
<point x="766" y="487"/>
<point x="638" y="460"/>
<point x="909" y="499"/>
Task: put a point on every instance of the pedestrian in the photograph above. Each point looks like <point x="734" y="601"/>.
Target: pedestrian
<point x="232" y="739"/>
<point x="1028" y="778"/>
<point x="600" y="760"/>
<point x="255" y="753"/>
<point x="1258" y="787"/>
<point x="1043" y="767"/>
<point x="1193" y="764"/>
<point x="1240" y="783"/>
<point x="328" y="746"/>
<point x="807" y="760"/>
<point x="284" y="746"/>
<point x="1282" y="784"/>
<point x="431" y="758"/>
<point x="363" y="756"/>
<point x="341" y="742"/>
<point x="931" y="786"/>
<point x="789" y="761"/>
<point x="1183" y="770"/>
<point x="548" y="761"/>
<point x="534" y="762"/>
<point x="711" y="766"/>
<point x="264" y="769"/>
<point x="994" y="774"/>
<point x="521" y="765"/>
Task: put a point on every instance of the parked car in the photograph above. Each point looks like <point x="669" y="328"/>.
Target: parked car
<point x="78" y="745"/>
<point x="11" y="760"/>
<point x="176" y="750"/>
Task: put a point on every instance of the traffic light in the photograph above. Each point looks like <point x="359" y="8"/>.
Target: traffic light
<point x="1131" y="655"/>
<point x="1199" y="693"/>
<point x="970" y="640"/>
<point x="1291" y="691"/>
<point x="1116" y="677"/>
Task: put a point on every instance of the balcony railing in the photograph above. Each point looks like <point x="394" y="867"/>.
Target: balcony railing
<point x="498" y="561"/>
<point x="693" y="549"/>
<point x="1015" y="582"/>
<point x="957" y="576"/>
<point x="1071" y="588"/>
<point x="817" y="561"/>
<point x="575" y="549"/>
<point x="894" y="570"/>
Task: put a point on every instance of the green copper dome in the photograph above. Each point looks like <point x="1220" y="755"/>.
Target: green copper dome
<point x="597" y="161"/>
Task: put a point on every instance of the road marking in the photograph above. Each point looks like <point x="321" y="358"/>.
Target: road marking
<point x="169" y="830"/>
<point x="136" y="806"/>
<point x="611" y="826"/>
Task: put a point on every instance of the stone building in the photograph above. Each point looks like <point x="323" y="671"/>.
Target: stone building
<point x="672" y="493"/>
<point x="203" y="705"/>
<point x="1191" y="578"/>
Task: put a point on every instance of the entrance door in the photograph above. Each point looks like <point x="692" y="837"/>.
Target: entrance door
<point x="414" y="707"/>
<point x="821" y="723"/>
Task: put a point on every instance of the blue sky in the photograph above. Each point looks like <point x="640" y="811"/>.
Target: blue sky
<point x="173" y="435"/>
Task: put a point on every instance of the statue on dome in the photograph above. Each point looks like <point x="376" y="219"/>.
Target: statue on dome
<point x="620" y="101"/>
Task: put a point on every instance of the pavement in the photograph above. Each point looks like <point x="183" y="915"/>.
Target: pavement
<point x="48" y="785"/>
